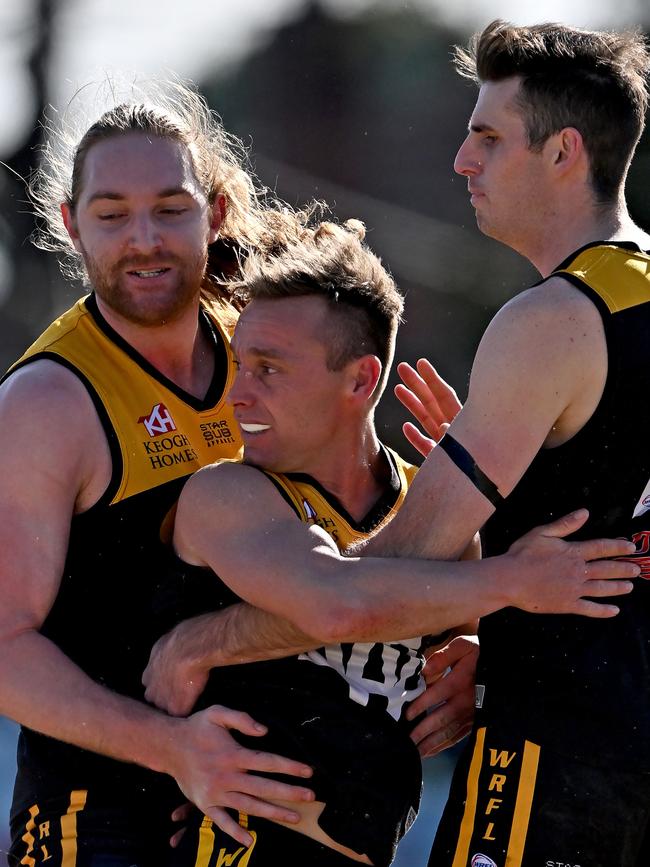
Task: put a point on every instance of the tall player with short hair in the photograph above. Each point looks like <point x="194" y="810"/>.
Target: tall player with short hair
<point x="557" y="769"/>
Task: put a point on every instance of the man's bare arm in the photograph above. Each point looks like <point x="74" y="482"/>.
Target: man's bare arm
<point x="537" y="377"/>
<point x="294" y="570"/>
<point x="181" y="660"/>
<point x="44" y="481"/>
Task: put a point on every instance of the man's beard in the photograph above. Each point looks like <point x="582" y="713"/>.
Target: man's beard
<point x="138" y="306"/>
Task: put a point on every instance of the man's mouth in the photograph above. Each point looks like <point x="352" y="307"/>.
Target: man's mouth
<point x="149" y="273"/>
<point x="254" y="428"/>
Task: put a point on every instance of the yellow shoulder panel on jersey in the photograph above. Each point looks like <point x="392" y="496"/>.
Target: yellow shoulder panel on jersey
<point x="314" y="507"/>
<point x="621" y="277"/>
<point x="161" y="436"/>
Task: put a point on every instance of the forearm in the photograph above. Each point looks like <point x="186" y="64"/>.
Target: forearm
<point x="43" y="690"/>
<point x="239" y="634"/>
<point x="386" y="601"/>
<point x="181" y="661"/>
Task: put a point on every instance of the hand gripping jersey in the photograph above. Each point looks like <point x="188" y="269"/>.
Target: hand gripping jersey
<point x="338" y="709"/>
<point x="101" y="617"/>
<point x="578" y="685"/>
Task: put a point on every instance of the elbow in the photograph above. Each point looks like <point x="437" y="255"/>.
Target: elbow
<point x="337" y="621"/>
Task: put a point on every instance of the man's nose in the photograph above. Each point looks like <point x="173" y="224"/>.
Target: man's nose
<point x="144" y="236"/>
<point x="241" y="393"/>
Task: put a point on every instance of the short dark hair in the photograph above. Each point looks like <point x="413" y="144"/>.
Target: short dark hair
<point x="593" y="81"/>
<point x="332" y="261"/>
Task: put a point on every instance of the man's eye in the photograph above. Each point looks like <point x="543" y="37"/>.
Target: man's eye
<point x="108" y="217"/>
<point x="173" y="212"/>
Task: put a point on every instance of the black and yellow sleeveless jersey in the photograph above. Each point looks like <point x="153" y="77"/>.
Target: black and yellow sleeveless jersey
<point x="101" y="618"/>
<point x="582" y="685"/>
<point x="337" y="709"/>
<point x="386" y="675"/>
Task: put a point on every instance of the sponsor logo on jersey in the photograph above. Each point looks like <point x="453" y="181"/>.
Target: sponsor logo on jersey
<point x="166" y="452"/>
<point x="560" y="864"/>
<point x="217" y="433"/>
<point x="165" y="449"/>
<point x="158" y="421"/>
<point x="479" y="860"/>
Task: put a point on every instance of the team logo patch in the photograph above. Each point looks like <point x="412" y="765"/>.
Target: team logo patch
<point x="479" y="860"/>
<point x="158" y="422"/>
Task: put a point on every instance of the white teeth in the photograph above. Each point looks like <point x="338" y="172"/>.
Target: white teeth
<point x="155" y="273"/>
<point x="254" y="428"/>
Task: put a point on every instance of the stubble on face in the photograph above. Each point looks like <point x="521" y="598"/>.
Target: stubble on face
<point x="141" y="307"/>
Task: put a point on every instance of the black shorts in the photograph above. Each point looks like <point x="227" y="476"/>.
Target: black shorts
<point x="205" y="845"/>
<point x="515" y="803"/>
<point x="82" y="830"/>
<point x="367" y="771"/>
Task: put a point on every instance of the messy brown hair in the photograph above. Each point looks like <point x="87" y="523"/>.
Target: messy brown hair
<point x="332" y="261"/>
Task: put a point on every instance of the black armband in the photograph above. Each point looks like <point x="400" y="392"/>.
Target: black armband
<point x="466" y="464"/>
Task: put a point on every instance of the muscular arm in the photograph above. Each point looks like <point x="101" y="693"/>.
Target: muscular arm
<point x="44" y="464"/>
<point x="538" y="375"/>
<point x="181" y="660"/>
<point x="276" y="562"/>
<point x="51" y="446"/>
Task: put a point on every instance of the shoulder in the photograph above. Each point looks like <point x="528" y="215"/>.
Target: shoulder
<point x="224" y="504"/>
<point x="51" y="438"/>
<point x="554" y="299"/>
<point x="234" y="488"/>
<point x="549" y="320"/>
<point x="47" y="390"/>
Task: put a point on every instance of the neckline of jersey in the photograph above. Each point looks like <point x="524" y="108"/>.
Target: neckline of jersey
<point x="216" y="389"/>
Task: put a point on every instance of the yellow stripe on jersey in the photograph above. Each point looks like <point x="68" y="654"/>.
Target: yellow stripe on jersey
<point x="29" y="838"/>
<point x="467" y="825"/>
<point x="523" y="804"/>
<point x="161" y="436"/>
<point x="69" y="828"/>
<point x="247" y="857"/>
<point x="621" y="277"/>
<point x="209" y="845"/>
<point x="206" y="843"/>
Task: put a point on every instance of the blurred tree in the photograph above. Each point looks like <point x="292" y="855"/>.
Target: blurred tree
<point x="28" y="297"/>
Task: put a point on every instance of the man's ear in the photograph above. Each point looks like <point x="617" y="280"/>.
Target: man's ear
<point x="217" y="216"/>
<point x="365" y="374"/>
<point x="567" y="148"/>
<point x="71" y="226"/>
